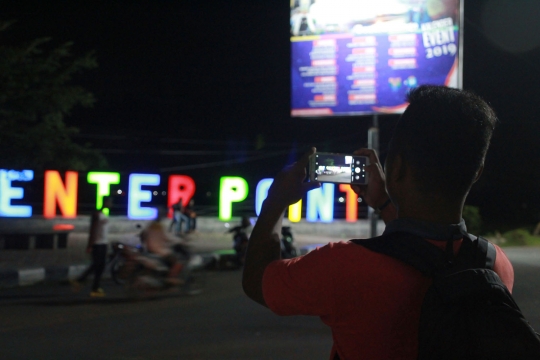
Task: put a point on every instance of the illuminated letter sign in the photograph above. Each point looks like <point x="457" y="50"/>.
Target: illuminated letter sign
<point x="56" y="192"/>
<point x="180" y="187"/>
<point x="232" y="189"/>
<point x="261" y="193"/>
<point x="295" y="210"/>
<point x="137" y="195"/>
<point x="321" y="202"/>
<point x="351" y="202"/>
<point x="8" y="193"/>
<point x="103" y="181"/>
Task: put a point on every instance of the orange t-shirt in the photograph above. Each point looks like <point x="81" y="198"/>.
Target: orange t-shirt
<point x="370" y="301"/>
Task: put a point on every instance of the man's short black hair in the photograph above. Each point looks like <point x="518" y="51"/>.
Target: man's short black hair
<point x="443" y="136"/>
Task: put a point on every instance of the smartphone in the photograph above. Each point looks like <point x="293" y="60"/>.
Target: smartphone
<point x="338" y="168"/>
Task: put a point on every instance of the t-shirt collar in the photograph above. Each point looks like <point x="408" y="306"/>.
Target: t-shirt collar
<point x="428" y="230"/>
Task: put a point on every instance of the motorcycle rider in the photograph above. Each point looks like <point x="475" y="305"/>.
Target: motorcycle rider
<point x="155" y="239"/>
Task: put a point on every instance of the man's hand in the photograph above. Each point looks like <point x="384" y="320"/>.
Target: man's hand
<point x="374" y="193"/>
<point x="289" y="186"/>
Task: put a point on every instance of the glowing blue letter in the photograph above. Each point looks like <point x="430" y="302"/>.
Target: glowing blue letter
<point x="321" y="202"/>
<point x="8" y="193"/>
<point x="261" y="193"/>
<point x="137" y="195"/>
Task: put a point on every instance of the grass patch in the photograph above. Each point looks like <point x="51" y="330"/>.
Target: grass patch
<point x="517" y="237"/>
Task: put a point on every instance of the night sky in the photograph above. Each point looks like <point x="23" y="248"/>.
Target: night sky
<point x="202" y="88"/>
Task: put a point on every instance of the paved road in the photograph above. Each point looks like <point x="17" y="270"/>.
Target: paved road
<point x="526" y="262"/>
<point x="49" y="322"/>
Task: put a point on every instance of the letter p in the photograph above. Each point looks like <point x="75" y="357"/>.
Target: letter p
<point x="231" y="189"/>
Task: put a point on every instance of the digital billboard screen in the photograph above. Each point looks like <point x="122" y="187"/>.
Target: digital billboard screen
<point x="354" y="57"/>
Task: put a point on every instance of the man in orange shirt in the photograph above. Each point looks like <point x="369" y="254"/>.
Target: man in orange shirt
<point x="372" y="301"/>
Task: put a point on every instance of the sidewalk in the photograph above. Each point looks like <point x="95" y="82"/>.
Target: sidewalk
<point x="25" y="267"/>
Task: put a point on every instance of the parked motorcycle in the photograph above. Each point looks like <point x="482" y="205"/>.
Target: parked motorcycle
<point x="240" y="242"/>
<point x="288" y="251"/>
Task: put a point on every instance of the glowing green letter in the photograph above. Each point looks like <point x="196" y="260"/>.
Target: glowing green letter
<point x="103" y="181"/>
<point x="232" y="189"/>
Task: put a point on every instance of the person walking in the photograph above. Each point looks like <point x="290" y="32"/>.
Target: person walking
<point x="192" y="216"/>
<point x="97" y="246"/>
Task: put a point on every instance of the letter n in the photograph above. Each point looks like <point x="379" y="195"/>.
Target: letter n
<point x="58" y="193"/>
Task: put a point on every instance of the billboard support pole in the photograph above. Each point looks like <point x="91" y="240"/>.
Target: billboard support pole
<point x="373" y="143"/>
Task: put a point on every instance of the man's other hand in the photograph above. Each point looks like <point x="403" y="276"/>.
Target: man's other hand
<point x="289" y="186"/>
<point x="374" y="193"/>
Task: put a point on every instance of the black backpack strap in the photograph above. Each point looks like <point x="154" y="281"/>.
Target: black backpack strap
<point x="408" y="248"/>
<point x="491" y="254"/>
<point x="429" y="259"/>
<point x="485" y="253"/>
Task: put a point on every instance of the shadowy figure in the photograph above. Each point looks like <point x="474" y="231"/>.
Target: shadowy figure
<point x="179" y="217"/>
<point x="191" y="215"/>
<point x="97" y="246"/>
<point x="240" y="239"/>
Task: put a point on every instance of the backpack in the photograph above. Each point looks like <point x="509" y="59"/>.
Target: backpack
<point x="467" y="312"/>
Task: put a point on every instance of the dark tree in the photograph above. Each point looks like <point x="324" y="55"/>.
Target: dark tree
<point x="36" y="94"/>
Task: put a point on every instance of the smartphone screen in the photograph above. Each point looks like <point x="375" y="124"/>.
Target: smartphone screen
<point x="338" y="168"/>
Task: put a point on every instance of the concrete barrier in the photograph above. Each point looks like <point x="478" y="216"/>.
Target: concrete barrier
<point x="25" y="267"/>
<point x="121" y="224"/>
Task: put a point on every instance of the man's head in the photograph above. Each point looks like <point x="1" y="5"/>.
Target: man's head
<point x="440" y="143"/>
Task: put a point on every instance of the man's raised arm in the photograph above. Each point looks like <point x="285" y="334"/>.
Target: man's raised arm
<point x="264" y="244"/>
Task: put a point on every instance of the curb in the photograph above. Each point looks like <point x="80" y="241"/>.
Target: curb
<point x="30" y="276"/>
<point x="10" y="278"/>
<point x="215" y="260"/>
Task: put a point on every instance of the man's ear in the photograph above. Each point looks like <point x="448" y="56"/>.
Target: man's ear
<point x="396" y="169"/>
<point x="479" y="173"/>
